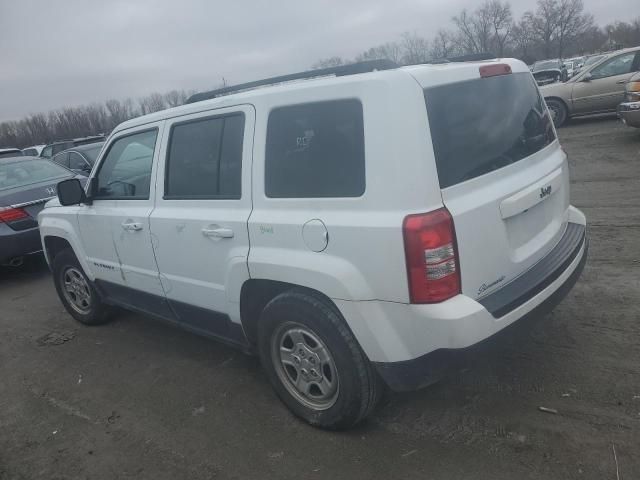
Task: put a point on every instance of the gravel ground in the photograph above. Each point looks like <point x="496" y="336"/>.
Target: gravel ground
<point x="139" y="399"/>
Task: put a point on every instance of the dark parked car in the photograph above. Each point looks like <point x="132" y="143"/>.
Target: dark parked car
<point x="26" y="183"/>
<point x="549" y="71"/>
<point x="79" y="159"/>
<point x="62" y="145"/>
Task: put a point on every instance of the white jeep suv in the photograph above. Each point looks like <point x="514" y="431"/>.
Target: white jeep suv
<point x="353" y="226"/>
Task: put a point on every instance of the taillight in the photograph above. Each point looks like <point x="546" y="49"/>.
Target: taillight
<point x="10" y="214"/>
<point x="431" y="254"/>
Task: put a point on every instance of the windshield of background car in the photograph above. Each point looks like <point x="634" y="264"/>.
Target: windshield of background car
<point x="545" y="65"/>
<point x="27" y="172"/>
<point x="482" y="125"/>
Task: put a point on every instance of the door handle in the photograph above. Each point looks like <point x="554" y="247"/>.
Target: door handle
<point x="217" y="232"/>
<point x="132" y="226"/>
<point x="621" y="82"/>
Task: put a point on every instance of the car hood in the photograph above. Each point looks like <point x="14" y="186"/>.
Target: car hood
<point x="547" y="70"/>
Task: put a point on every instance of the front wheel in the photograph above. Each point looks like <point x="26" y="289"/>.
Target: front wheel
<point x="76" y="292"/>
<point x="558" y="112"/>
<point x="314" y="363"/>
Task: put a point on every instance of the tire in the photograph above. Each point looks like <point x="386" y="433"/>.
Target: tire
<point x="67" y="270"/>
<point x="558" y="111"/>
<point x="343" y="387"/>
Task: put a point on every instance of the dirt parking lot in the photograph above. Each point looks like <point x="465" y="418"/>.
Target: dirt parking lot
<point x="139" y="399"/>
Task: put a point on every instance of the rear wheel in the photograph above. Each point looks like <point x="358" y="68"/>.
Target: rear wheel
<point x="558" y="111"/>
<point x="314" y="362"/>
<point x="76" y="292"/>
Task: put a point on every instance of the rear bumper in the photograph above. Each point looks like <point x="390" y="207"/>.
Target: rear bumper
<point x="630" y="113"/>
<point x="429" y="368"/>
<point x="411" y="345"/>
<point x="18" y="243"/>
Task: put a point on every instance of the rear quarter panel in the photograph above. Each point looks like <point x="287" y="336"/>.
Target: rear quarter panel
<point x="364" y="258"/>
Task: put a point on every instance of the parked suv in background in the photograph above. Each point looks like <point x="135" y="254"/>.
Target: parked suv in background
<point x="61" y="145"/>
<point x="598" y="88"/>
<point x="353" y="230"/>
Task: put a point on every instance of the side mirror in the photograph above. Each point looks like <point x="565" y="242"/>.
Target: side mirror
<point x="70" y="192"/>
<point x="587" y="78"/>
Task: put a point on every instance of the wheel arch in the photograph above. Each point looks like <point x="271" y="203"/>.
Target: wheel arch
<point x="53" y="245"/>
<point x="563" y="102"/>
<point x="58" y="234"/>
<point x="255" y="294"/>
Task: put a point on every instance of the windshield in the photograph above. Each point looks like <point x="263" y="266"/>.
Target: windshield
<point x="482" y="125"/>
<point x="546" y="65"/>
<point x="27" y="172"/>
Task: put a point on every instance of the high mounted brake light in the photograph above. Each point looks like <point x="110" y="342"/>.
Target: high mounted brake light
<point x="494" y="70"/>
<point x="431" y="255"/>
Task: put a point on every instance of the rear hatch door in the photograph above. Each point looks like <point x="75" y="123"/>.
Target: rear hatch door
<point x="502" y="174"/>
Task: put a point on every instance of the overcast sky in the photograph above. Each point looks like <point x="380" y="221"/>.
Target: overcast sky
<point x="71" y="52"/>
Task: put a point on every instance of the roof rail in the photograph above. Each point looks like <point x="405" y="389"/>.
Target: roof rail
<point x="339" y="71"/>
<point x="472" y="57"/>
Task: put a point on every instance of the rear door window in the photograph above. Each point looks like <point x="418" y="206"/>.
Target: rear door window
<point x="76" y="162"/>
<point x="482" y="125"/>
<point x="315" y="150"/>
<point x="62" y="159"/>
<point x="205" y="158"/>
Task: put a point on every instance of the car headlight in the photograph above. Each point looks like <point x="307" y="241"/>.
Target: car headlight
<point x="633" y="91"/>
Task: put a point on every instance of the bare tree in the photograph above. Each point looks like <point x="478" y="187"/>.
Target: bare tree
<point x="475" y="29"/>
<point x="443" y="45"/>
<point x="624" y="34"/>
<point x="328" y="63"/>
<point x="544" y="24"/>
<point x="415" y="49"/>
<point x="390" y="51"/>
<point x="523" y="40"/>
<point x="571" y="22"/>
<point x="37" y="129"/>
<point x="501" y="22"/>
<point x="151" y="103"/>
<point x="172" y="98"/>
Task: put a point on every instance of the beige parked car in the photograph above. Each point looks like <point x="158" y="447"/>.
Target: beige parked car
<point x="598" y="88"/>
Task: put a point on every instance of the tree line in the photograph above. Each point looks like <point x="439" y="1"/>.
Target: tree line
<point x="84" y="120"/>
<point x="556" y="28"/>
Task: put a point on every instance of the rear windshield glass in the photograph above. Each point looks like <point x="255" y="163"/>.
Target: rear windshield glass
<point x="481" y="125"/>
<point x="26" y="172"/>
<point x="13" y="153"/>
